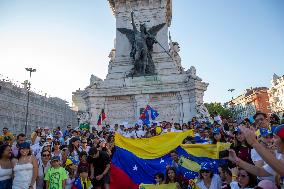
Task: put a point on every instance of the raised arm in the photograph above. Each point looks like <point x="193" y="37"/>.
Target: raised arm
<point x="276" y="164"/>
<point x="258" y="171"/>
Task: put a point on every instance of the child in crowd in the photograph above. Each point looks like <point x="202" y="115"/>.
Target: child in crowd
<point x="71" y="166"/>
<point x="82" y="181"/>
<point x="83" y="160"/>
<point x="159" y="178"/>
<point x="56" y="175"/>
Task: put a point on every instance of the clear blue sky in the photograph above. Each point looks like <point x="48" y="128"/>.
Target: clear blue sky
<point x="233" y="44"/>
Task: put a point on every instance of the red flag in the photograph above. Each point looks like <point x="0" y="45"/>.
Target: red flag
<point x="102" y="117"/>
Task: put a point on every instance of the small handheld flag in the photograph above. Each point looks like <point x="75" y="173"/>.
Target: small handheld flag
<point x="148" y="114"/>
<point x="102" y="117"/>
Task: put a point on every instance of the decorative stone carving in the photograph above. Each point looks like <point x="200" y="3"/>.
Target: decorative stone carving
<point x="111" y="61"/>
<point x="191" y="74"/>
<point x="94" y="80"/>
<point x="202" y="112"/>
<point x="174" y="52"/>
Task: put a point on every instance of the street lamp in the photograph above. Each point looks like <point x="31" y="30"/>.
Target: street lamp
<point x="28" y="100"/>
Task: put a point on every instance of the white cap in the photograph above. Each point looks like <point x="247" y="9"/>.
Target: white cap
<point x="49" y="136"/>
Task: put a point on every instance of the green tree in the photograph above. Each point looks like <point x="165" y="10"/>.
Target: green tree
<point x="219" y="108"/>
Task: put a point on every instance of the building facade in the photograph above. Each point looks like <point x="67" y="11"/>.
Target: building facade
<point x="276" y="95"/>
<point x="43" y="111"/>
<point x="252" y="100"/>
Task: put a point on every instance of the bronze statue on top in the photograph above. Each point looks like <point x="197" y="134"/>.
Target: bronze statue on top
<point x="142" y="47"/>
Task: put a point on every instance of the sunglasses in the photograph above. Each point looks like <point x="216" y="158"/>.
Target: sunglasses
<point x="205" y="171"/>
<point x="45" y="155"/>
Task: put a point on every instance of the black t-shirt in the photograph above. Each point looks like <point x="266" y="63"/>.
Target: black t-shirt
<point x="100" y="163"/>
<point x="226" y="127"/>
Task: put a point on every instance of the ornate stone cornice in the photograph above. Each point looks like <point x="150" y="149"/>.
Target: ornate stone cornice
<point x="113" y="4"/>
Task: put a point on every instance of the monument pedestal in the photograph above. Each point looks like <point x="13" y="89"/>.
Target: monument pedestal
<point x="173" y="92"/>
<point x="175" y="101"/>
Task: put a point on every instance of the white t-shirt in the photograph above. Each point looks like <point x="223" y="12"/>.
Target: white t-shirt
<point x="140" y="133"/>
<point x="269" y="169"/>
<point x="235" y="185"/>
<point x="256" y="157"/>
<point x="215" y="183"/>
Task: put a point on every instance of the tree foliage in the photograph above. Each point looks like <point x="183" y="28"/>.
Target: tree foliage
<point x="219" y="108"/>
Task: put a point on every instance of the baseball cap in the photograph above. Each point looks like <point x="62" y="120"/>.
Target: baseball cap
<point x="55" y="158"/>
<point x="49" y="137"/>
<point x="205" y="166"/>
<point x="279" y="131"/>
<point x="71" y="161"/>
<point x="24" y="145"/>
<point x="237" y="130"/>
<point x="216" y="131"/>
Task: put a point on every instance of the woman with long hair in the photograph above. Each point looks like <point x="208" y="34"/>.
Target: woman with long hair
<point x="56" y="150"/>
<point x="207" y="179"/>
<point x="217" y="136"/>
<point x="241" y="147"/>
<point x="25" y="168"/>
<point x="245" y="180"/>
<point x="43" y="166"/>
<point x="171" y="177"/>
<point x="73" y="148"/>
<point x="5" y="167"/>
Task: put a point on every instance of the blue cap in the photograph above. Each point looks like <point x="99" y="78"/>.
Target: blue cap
<point x="264" y="132"/>
<point x="205" y="166"/>
<point x="237" y="130"/>
<point x="216" y="130"/>
<point x="55" y="158"/>
<point x="25" y="145"/>
<point x="279" y="131"/>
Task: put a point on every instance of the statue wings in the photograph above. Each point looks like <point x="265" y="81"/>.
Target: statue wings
<point x="155" y="29"/>
<point x="129" y="34"/>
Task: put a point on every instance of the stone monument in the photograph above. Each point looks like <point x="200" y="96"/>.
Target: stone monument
<point x="144" y="69"/>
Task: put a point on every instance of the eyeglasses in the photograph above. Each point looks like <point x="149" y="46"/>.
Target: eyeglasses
<point x="45" y="155"/>
<point x="204" y="171"/>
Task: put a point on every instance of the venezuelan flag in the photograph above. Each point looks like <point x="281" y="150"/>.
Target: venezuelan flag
<point x="136" y="161"/>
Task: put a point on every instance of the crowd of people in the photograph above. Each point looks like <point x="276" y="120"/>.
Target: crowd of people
<point x="81" y="159"/>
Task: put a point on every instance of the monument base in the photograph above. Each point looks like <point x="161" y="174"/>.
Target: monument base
<point x="175" y="101"/>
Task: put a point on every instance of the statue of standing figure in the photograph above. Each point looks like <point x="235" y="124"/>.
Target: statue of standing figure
<point x="141" y="47"/>
<point x="174" y="52"/>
